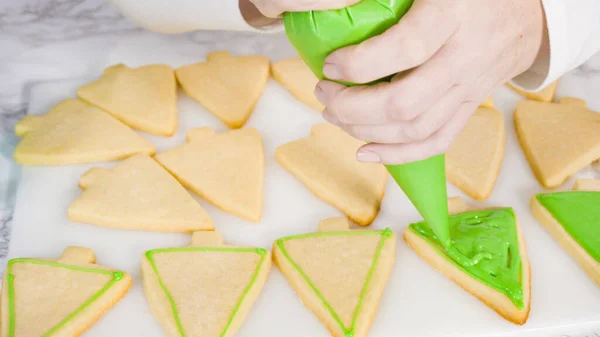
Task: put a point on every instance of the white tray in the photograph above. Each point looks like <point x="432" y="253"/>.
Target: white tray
<point x="418" y="301"/>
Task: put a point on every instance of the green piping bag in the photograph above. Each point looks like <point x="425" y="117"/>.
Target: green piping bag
<point x="316" y="34"/>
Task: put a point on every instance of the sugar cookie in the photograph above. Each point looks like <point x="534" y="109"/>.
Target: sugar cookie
<point x="545" y="95"/>
<point x="137" y="194"/>
<point x="338" y="273"/>
<point x="298" y="79"/>
<point x="228" y="86"/>
<point x="225" y="168"/>
<point x="206" y="289"/>
<point x="326" y="163"/>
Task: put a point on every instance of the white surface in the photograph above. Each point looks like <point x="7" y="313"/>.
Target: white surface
<point x="417" y="302"/>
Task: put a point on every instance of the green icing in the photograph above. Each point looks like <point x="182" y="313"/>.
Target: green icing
<point x="260" y="251"/>
<point x="579" y="214"/>
<point x="484" y="245"/>
<point x="386" y="233"/>
<point x="117" y="275"/>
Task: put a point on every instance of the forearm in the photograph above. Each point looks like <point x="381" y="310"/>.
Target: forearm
<point x="573" y="36"/>
<point x="180" y="16"/>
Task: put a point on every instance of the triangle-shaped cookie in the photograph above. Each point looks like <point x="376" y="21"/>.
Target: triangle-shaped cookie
<point x="488" y="103"/>
<point x="326" y="163"/>
<point x="572" y="219"/>
<point x="144" y="98"/>
<point x="137" y="194"/>
<point x="488" y="257"/>
<point x="298" y="79"/>
<point x="545" y="95"/>
<point x="226" y="85"/>
<point x="225" y="168"/>
<point x="206" y="289"/>
<point x="61" y="297"/>
<point x="75" y="132"/>
<point x="473" y="160"/>
<point x="338" y="273"/>
<point x="558" y="139"/>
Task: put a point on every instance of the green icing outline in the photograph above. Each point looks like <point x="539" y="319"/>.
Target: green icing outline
<point x="117" y="276"/>
<point x="540" y="198"/>
<point x="260" y="251"/>
<point x="517" y="302"/>
<point x="386" y="233"/>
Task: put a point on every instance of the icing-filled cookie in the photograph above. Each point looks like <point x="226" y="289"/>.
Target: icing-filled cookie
<point x="227" y="86"/>
<point x="144" y="98"/>
<point x="137" y="194"/>
<point x="74" y="132"/>
<point x="573" y="219"/>
<point x="473" y="160"/>
<point x="206" y="289"/>
<point x="558" y="139"/>
<point x="298" y="79"/>
<point x="545" y="95"/>
<point x="63" y="297"/>
<point x="326" y="163"/>
<point x="338" y="273"/>
<point x="225" y="168"/>
<point x="488" y="257"/>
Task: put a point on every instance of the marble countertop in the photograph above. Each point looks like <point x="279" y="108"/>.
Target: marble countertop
<point x="44" y="40"/>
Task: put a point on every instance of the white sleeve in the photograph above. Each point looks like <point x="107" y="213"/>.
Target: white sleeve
<point x="180" y="16"/>
<point x="573" y="37"/>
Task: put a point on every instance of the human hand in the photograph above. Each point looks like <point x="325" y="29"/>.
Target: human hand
<point x="450" y="54"/>
<point x="274" y="8"/>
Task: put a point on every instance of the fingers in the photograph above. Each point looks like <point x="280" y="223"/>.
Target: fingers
<point x="274" y="8"/>
<point x="403" y="99"/>
<point x="410" y="43"/>
<point x="438" y="143"/>
<point x="416" y="130"/>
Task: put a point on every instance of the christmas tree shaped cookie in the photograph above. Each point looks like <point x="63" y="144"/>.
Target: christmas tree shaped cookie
<point x="487" y="257"/>
<point x="61" y="297"/>
<point x="326" y="163"/>
<point x="338" y="273"/>
<point x="545" y="95"/>
<point x="573" y="219"/>
<point x="473" y="161"/>
<point x="488" y="103"/>
<point x="206" y="289"/>
<point x="137" y="194"/>
<point x="298" y="79"/>
<point x="75" y="132"/>
<point x="226" y="85"/>
<point x="144" y="98"/>
<point x="558" y="139"/>
<point x="225" y="168"/>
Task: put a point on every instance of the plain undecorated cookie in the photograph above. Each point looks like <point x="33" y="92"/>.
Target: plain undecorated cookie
<point x="558" y="139"/>
<point x="473" y="160"/>
<point x="227" y="86"/>
<point x="74" y="132"/>
<point x="326" y="163"/>
<point x="545" y="95"/>
<point x="137" y="194"/>
<point x="298" y="79"/>
<point x="205" y="289"/>
<point x="61" y="297"/>
<point x="338" y="273"/>
<point x="144" y="98"/>
<point x="225" y="168"/>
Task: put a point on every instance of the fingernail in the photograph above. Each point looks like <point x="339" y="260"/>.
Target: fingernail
<point x="368" y="157"/>
<point x="320" y="94"/>
<point x="331" y="71"/>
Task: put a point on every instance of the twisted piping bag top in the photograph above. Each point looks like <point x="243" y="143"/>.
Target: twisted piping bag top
<point x="316" y="34"/>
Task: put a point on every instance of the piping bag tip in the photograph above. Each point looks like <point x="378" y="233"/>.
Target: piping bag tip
<point x="424" y="183"/>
